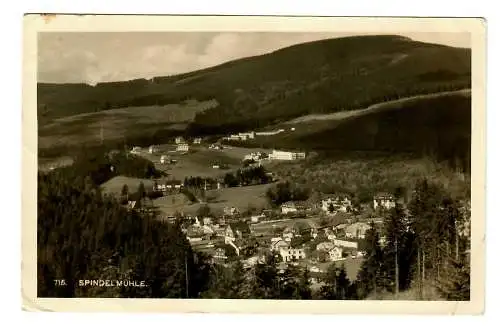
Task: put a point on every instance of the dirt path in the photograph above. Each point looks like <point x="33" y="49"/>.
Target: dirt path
<point x="372" y="108"/>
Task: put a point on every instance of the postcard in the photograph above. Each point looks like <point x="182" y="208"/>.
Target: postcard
<point x="253" y="164"/>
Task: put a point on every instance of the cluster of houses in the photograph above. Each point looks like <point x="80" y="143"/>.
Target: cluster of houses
<point x="242" y="136"/>
<point x="336" y="204"/>
<point x="256" y="156"/>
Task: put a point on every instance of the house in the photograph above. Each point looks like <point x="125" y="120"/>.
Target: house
<point x="216" y="166"/>
<point x="197" y="141"/>
<point x="330" y="235"/>
<point x="325" y="246"/>
<point x="135" y="150"/>
<point x="279" y="244"/>
<point x="215" y="146"/>
<point x="286" y="155"/>
<point x="230" y="210"/>
<point x="237" y="230"/>
<point x="167" y="185"/>
<point x="288" y="207"/>
<point x="220" y="254"/>
<point x="207" y="220"/>
<point x="288" y="234"/>
<point x="131" y="204"/>
<point x="335" y="254"/>
<point x="163" y="159"/>
<point x="340" y="227"/>
<point x="249" y="135"/>
<point x="152" y="149"/>
<point x="179" y="140"/>
<point x="257" y="218"/>
<point x="290" y="254"/>
<point x="384" y="200"/>
<point x="357" y="230"/>
<point x="182" y="147"/>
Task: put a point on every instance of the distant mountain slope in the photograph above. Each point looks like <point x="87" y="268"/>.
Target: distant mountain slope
<point x="438" y="127"/>
<point x="316" y="77"/>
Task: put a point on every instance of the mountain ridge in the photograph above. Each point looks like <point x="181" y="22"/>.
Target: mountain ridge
<point x="258" y="85"/>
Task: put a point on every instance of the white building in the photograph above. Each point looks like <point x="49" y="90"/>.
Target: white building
<point x="163" y="159"/>
<point x="214" y="146"/>
<point x="257" y="218"/>
<point x="135" y="150"/>
<point x="249" y="135"/>
<point x="286" y="155"/>
<point x="197" y="141"/>
<point x="292" y="254"/>
<point x="335" y="254"/>
<point x="152" y="149"/>
<point x="183" y="147"/>
<point x="288" y="207"/>
<point x="179" y="140"/>
<point x="384" y="200"/>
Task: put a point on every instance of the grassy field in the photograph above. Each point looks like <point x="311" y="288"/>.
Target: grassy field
<point x="171" y="204"/>
<point x="240" y="197"/>
<point x="197" y="162"/>
<point x="117" y="123"/>
<point x="115" y="185"/>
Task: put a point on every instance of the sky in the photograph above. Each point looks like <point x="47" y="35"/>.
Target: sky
<point x="93" y="57"/>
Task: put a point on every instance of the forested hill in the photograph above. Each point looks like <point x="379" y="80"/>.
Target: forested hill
<point x="315" y="77"/>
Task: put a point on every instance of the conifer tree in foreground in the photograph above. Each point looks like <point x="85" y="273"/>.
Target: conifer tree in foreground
<point x="371" y="275"/>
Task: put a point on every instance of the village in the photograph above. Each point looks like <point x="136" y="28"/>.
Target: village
<point x="298" y="233"/>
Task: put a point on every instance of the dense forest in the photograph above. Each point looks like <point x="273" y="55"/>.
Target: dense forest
<point x="437" y="128"/>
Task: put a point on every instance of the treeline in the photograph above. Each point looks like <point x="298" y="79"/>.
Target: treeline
<point x="247" y="176"/>
<point x="83" y="234"/>
<point x="100" y="164"/>
<point x="425" y="246"/>
<point x="266" y="281"/>
<point x="286" y="191"/>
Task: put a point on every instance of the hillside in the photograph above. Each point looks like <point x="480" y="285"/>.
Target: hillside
<point x="316" y="77"/>
<point x="435" y="126"/>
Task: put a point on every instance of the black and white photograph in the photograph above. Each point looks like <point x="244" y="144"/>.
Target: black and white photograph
<point x="268" y="164"/>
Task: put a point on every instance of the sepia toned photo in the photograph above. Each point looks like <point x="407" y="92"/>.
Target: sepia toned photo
<point x="253" y="164"/>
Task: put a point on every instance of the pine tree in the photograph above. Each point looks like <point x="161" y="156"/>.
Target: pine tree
<point x="304" y="286"/>
<point x="454" y="282"/>
<point x="124" y="192"/>
<point x="370" y="277"/>
<point x="395" y="241"/>
<point x="329" y="290"/>
<point x="141" y="191"/>
<point x="342" y="284"/>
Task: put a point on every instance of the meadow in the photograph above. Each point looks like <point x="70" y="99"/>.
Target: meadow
<point x="118" y="124"/>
